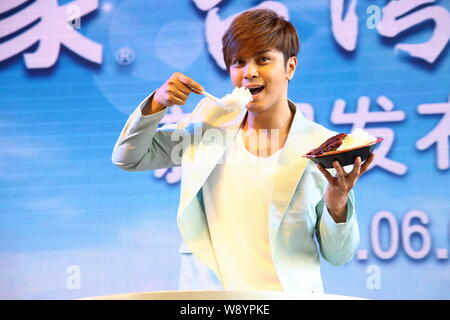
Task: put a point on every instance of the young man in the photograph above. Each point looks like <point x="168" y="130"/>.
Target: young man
<point x="248" y="224"/>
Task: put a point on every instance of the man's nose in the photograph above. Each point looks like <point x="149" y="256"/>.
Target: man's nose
<point x="251" y="71"/>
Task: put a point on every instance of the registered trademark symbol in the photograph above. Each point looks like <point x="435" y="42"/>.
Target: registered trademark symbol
<point x="125" y="56"/>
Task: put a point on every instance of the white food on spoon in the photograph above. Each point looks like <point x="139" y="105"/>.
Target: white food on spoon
<point x="357" y="138"/>
<point x="237" y="99"/>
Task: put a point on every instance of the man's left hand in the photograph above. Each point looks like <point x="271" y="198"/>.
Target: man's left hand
<point x="340" y="185"/>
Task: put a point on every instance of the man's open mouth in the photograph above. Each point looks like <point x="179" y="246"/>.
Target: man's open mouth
<point x="256" y="90"/>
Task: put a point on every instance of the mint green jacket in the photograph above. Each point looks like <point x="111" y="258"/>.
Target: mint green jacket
<point x="299" y="223"/>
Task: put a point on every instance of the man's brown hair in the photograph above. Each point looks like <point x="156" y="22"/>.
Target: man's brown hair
<point x="259" y="30"/>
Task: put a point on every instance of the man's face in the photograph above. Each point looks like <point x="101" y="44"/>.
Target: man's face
<point x="266" y="75"/>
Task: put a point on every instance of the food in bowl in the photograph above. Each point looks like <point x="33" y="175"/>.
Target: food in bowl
<point x="344" y="148"/>
<point x="343" y="141"/>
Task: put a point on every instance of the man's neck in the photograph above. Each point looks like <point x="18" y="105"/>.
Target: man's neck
<point x="278" y="117"/>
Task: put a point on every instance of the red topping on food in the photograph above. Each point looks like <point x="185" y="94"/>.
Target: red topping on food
<point x="332" y="144"/>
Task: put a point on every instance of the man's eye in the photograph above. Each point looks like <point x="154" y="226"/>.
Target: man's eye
<point x="264" y="60"/>
<point x="238" y="62"/>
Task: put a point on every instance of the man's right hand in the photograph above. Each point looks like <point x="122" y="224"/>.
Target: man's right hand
<point x="174" y="91"/>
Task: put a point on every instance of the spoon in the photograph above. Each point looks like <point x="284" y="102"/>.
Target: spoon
<point x="210" y="96"/>
<point x="214" y="98"/>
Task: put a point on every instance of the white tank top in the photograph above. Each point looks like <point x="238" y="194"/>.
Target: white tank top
<point x="237" y="196"/>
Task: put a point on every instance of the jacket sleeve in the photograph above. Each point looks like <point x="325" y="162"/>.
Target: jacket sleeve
<point x="338" y="241"/>
<point x="143" y="146"/>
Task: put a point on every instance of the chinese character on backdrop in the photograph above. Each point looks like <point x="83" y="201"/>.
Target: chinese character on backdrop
<point x="344" y="26"/>
<point x="440" y="133"/>
<point x="398" y="16"/>
<point x="53" y="29"/>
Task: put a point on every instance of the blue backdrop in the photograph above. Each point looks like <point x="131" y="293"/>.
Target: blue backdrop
<point x="74" y="225"/>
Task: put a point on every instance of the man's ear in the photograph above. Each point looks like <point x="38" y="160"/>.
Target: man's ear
<point x="291" y="65"/>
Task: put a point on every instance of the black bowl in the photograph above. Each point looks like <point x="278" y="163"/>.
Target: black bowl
<point x="345" y="157"/>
